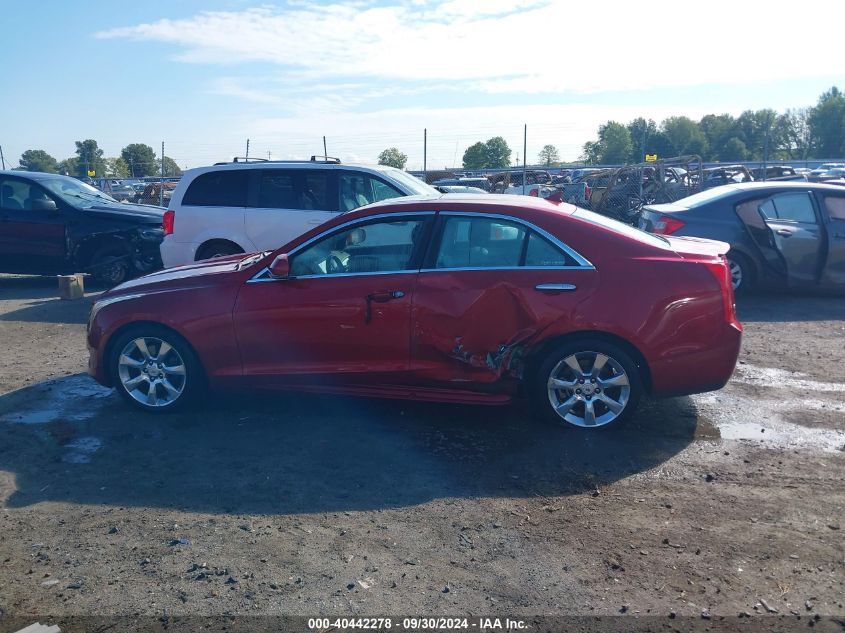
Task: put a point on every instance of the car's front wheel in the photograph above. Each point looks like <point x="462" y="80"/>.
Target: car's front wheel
<point x="588" y="383"/>
<point x="154" y="369"/>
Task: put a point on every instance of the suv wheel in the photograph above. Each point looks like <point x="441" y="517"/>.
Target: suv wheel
<point x="587" y="383"/>
<point x="218" y="249"/>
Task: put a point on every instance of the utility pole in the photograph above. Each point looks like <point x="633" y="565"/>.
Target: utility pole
<point x="425" y="154"/>
<point x="268" y="154"/>
<point x="325" y="151"/>
<point x="161" y="189"/>
<point x="766" y="144"/>
<point x="246" y="156"/>
<point x="524" y="155"/>
<point x="2" y="160"/>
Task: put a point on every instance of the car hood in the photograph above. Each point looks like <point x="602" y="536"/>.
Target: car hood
<point x="144" y="213"/>
<point x="205" y="273"/>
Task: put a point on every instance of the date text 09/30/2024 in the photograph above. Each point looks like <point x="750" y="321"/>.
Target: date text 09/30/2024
<point x="417" y="624"/>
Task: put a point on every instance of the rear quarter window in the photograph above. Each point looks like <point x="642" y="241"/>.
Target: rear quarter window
<point x="224" y="188"/>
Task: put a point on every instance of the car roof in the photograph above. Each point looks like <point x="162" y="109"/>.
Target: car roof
<point x="794" y="184"/>
<point x="464" y="202"/>
<point x="296" y="164"/>
<point x="34" y="175"/>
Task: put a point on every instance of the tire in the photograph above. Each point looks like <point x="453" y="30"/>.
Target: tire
<point x="590" y="388"/>
<point x="218" y="248"/>
<point x="743" y="274"/>
<point x="148" y="380"/>
<point x="111" y="265"/>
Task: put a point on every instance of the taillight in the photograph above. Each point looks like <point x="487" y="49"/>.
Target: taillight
<point x="666" y="225"/>
<point x="722" y="273"/>
<point x="167" y="221"/>
<point x="534" y="192"/>
<point x="588" y="191"/>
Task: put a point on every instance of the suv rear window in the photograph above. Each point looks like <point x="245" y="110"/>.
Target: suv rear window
<point x="224" y="188"/>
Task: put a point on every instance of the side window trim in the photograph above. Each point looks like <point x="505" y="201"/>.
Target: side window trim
<point x="428" y="262"/>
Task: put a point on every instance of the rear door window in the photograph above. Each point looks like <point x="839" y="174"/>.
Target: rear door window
<point x="835" y="206"/>
<point x="301" y="189"/>
<point x="223" y="188"/>
<point x="480" y="243"/>
<point x="792" y="207"/>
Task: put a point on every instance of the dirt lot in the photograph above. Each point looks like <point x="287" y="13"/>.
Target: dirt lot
<point x="724" y="503"/>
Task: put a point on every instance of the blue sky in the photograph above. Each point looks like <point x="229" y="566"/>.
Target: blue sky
<point x="205" y="76"/>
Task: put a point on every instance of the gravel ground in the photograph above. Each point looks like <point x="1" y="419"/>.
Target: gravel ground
<point x="722" y="504"/>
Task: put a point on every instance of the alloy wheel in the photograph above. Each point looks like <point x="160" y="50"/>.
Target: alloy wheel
<point x="588" y="389"/>
<point x="152" y="371"/>
<point x="736" y="274"/>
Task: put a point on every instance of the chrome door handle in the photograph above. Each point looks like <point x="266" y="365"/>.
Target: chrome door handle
<point x="555" y="288"/>
<point x="784" y="232"/>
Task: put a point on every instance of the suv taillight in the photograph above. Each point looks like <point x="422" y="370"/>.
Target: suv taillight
<point x="722" y="273"/>
<point x="665" y="225"/>
<point x="167" y="221"/>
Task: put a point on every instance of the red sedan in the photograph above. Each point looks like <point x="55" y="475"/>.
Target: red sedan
<point x="471" y="299"/>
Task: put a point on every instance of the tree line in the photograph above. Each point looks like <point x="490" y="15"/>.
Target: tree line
<point x="817" y="132"/>
<point x="135" y="160"/>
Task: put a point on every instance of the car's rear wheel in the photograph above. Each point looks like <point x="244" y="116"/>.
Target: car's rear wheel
<point x="218" y="248"/>
<point x="742" y="272"/>
<point x="588" y="383"/>
<point x="154" y="369"/>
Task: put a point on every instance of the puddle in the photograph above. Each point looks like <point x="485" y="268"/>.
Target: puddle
<point x="81" y="449"/>
<point x="73" y="398"/>
<point x="764" y="420"/>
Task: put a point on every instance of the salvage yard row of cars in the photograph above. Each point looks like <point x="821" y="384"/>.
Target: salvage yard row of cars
<point x="320" y="276"/>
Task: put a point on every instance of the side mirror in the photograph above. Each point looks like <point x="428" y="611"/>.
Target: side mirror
<point x="280" y="268"/>
<point x="39" y="204"/>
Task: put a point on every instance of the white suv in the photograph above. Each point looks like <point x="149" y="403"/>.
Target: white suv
<point x="243" y="207"/>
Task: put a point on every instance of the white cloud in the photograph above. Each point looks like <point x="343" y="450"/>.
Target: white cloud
<point x="513" y="46"/>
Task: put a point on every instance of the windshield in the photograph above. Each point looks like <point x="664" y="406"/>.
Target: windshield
<point x="76" y="193"/>
<point x="416" y="185"/>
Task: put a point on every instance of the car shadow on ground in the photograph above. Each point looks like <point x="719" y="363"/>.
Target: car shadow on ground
<point x="789" y="306"/>
<point x="293" y="453"/>
<point x="40" y="296"/>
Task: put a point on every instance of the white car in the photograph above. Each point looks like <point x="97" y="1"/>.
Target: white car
<point x="245" y="207"/>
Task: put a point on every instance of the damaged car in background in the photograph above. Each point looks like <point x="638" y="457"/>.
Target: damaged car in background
<point x="53" y="225"/>
<point x="470" y="299"/>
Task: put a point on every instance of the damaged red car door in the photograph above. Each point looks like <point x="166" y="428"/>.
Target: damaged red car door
<point x="342" y="314"/>
<point x="491" y="285"/>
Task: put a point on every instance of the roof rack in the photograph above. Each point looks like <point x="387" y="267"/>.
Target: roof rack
<point x="314" y="159"/>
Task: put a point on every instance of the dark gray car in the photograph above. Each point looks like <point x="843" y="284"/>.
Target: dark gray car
<point x="786" y="233"/>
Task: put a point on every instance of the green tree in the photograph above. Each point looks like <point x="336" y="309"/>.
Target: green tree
<point x="38" y="160"/>
<point x="69" y="166"/>
<point x="548" y="156"/>
<point x="684" y="136"/>
<point x="498" y="152"/>
<point x="643" y="136"/>
<point x="393" y="158"/>
<point x="141" y="159"/>
<point x="733" y="150"/>
<point x="827" y="125"/>
<point x="90" y="158"/>
<point x="615" y="144"/>
<point x="171" y="169"/>
<point x="117" y="168"/>
<point x="475" y="156"/>
<point x="719" y="130"/>
<point x="591" y="152"/>
<point x="794" y="130"/>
